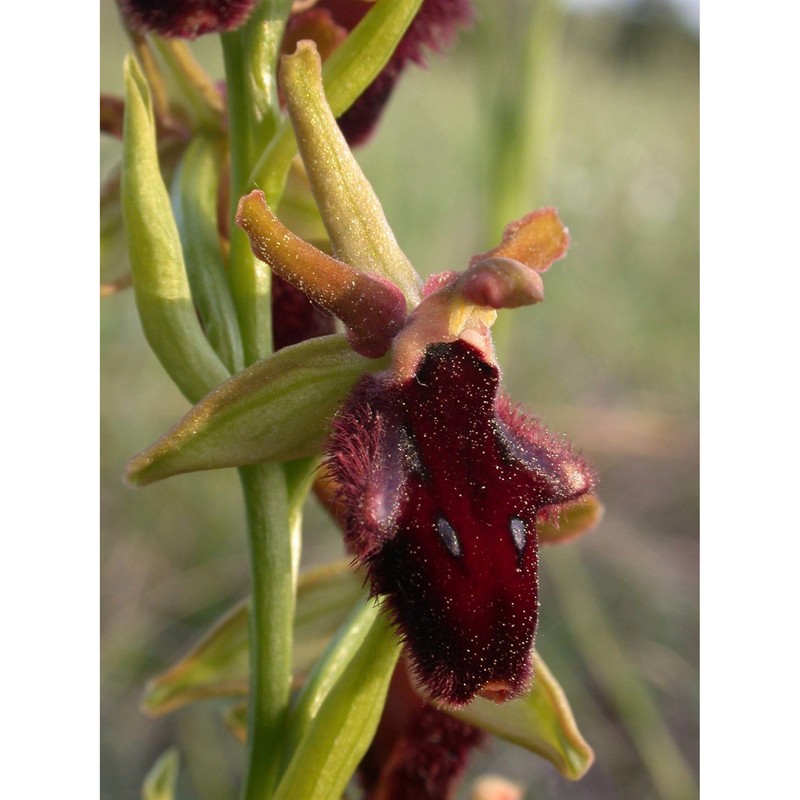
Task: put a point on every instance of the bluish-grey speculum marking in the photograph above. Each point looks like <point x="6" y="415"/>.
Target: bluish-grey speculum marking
<point x="448" y="536"/>
<point x="518" y="533"/>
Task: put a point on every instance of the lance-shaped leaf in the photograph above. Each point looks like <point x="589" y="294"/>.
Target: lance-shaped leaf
<point x="162" y="289"/>
<point x="218" y="665"/>
<point x="351" y="211"/>
<point x="276" y="410"/>
<point x="194" y="199"/>
<point x="337" y="737"/>
<point x="162" y="778"/>
<point x="372" y="308"/>
<point x="327" y="672"/>
<point x="541" y="721"/>
<point x="571" y="520"/>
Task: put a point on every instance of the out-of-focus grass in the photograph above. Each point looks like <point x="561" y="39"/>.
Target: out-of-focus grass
<point x="610" y="358"/>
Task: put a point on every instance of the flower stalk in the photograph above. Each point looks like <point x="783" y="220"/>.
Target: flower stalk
<point x="273" y="559"/>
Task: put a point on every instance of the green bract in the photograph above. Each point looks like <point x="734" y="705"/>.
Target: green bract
<point x="194" y="199"/>
<point x="217" y="666"/>
<point x="162" y="289"/>
<point x="276" y="410"/>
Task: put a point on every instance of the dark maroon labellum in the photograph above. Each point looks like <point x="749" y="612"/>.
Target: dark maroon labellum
<point x="442" y="483"/>
<point x="185" y="19"/>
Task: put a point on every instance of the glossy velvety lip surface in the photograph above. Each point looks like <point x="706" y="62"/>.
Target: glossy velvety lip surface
<point x="442" y="483"/>
<point x="186" y="19"/>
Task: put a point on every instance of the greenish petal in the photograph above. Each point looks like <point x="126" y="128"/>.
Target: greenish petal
<point x="276" y="410"/>
<point x="163" y="296"/>
<point x="541" y="721"/>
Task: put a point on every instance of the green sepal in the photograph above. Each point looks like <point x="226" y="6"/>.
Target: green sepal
<point x="347" y="73"/>
<point x="160" y="782"/>
<point x="163" y="296"/>
<point x="346" y="717"/>
<point x="351" y="211"/>
<point x="276" y="410"/>
<point x="541" y="721"/>
<point x="218" y="665"/>
<point x="194" y="201"/>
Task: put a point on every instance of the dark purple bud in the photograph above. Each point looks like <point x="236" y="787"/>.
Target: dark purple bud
<point x="440" y="482"/>
<point x="294" y="317"/>
<point x="418" y="751"/>
<point x="435" y="27"/>
<point x="185" y="19"/>
<point x="112" y="112"/>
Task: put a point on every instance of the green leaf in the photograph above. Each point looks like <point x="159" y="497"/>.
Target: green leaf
<point x="114" y="264"/>
<point x="160" y="781"/>
<point x="218" y="665"/>
<point x="541" y="721"/>
<point x="194" y="200"/>
<point x="337" y="737"/>
<point x="276" y="410"/>
<point x="573" y="520"/>
<point x="162" y="289"/>
<point x="327" y="672"/>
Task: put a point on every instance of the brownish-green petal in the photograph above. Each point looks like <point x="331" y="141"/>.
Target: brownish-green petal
<point x="571" y="520"/>
<point x="372" y="308"/>
<point x="536" y="240"/>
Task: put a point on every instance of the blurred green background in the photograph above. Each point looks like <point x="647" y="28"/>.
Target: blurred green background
<point x="610" y="359"/>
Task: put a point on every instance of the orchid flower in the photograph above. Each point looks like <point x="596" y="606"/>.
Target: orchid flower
<point x="440" y="476"/>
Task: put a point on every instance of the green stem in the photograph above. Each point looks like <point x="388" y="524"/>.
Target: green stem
<point x="250" y="279"/>
<point x="273" y="559"/>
